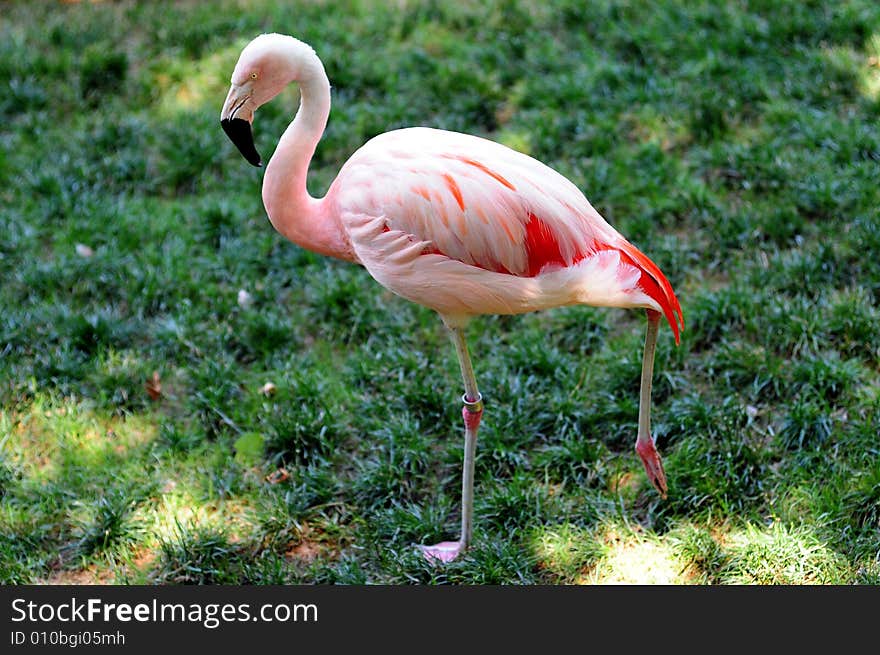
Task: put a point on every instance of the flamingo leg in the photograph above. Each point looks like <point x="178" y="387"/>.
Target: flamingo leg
<point x="644" y="442"/>
<point x="471" y="412"/>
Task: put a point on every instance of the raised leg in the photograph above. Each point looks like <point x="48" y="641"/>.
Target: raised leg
<point x="471" y="412"/>
<point x="644" y="442"/>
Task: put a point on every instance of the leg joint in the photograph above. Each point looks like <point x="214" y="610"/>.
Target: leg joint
<point x="473" y="406"/>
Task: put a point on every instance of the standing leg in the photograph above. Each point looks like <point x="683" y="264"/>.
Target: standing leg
<point x="644" y="442"/>
<point x="471" y="412"/>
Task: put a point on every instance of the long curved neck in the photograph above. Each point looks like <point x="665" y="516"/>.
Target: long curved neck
<point x="307" y="221"/>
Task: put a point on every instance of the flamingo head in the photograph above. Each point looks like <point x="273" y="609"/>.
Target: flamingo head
<point x="266" y="65"/>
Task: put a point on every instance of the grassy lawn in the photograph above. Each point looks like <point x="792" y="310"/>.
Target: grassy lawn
<point x="186" y="397"/>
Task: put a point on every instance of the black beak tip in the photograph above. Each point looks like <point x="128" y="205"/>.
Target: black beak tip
<point x="239" y="132"/>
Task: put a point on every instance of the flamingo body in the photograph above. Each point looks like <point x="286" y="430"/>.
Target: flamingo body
<point x="467" y="226"/>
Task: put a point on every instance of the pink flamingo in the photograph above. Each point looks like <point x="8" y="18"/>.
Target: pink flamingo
<point x="457" y="223"/>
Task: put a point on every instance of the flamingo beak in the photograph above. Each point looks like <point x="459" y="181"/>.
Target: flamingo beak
<point x="236" y="119"/>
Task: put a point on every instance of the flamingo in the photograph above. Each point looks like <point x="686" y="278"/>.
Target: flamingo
<point x="457" y="223"/>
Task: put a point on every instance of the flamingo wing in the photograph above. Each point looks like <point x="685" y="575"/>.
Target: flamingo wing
<point x="483" y="204"/>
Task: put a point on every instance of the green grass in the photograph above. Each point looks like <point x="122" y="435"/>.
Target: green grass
<point x="737" y="143"/>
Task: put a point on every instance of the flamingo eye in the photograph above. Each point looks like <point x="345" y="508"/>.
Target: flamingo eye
<point x="254" y="75"/>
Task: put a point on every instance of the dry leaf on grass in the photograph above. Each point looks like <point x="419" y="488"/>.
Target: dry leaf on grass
<point x="277" y="476"/>
<point x="154" y="386"/>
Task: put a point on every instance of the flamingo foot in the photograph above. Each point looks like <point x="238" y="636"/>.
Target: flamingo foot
<point x="653" y="465"/>
<point x="445" y="551"/>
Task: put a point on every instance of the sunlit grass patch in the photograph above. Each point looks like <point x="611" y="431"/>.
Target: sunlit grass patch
<point x="780" y="554"/>
<point x="614" y="553"/>
<point x="637" y="562"/>
<point x="632" y="557"/>
<point x="182" y="87"/>
<point x="51" y="437"/>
